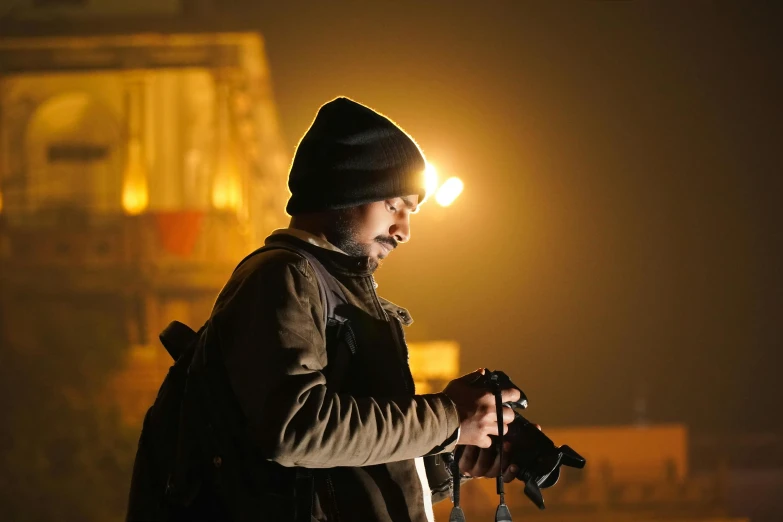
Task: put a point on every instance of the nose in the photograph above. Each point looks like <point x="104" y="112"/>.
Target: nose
<point x="401" y="229"/>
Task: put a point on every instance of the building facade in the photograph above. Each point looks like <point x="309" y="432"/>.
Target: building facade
<point x="139" y="161"/>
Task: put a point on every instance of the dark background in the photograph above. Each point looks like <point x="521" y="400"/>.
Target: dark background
<point x="619" y="236"/>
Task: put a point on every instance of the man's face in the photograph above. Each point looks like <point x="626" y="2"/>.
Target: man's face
<point x="374" y="229"/>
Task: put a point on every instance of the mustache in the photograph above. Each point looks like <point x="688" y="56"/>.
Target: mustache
<point x="388" y="240"/>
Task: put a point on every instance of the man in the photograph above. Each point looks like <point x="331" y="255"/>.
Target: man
<point x="350" y="416"/>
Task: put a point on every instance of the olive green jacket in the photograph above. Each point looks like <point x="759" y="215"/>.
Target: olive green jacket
<point x="310" y="402"/>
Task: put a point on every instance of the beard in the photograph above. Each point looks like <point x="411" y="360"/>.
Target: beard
<point x="342" y="234"/>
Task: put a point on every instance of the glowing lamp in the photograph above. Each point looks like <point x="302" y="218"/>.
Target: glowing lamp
<point x="449" y="191"/>
<point x="226" y="192"/>
<point x="227" y="185"/>
<point x="134" y="199"/>
<point x="430" y="179"/>
<point x="135" y="196"/>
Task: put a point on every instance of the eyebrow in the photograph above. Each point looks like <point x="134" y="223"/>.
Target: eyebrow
<point x="408" y="202"/>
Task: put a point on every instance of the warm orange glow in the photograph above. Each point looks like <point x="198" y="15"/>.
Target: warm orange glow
<point x="135" y="195"/>
<point x="434" y="360"/>
<point x="433" y="363"/>
<point x="1" y="202"/>
<point x="633" y="453"/>
<point x="430" y="179"/>
<point x="227" y="185"/>
<point x="134" y="199"/>
<point x="449" y="191"/>
<point x="226" y="192"/>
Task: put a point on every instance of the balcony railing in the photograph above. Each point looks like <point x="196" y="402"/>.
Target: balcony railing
<point x="178" y="247"/>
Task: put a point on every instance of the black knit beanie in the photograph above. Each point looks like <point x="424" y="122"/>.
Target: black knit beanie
<point x="351" y="155"/>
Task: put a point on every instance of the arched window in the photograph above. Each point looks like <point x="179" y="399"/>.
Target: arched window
<point x="73" y="156"/>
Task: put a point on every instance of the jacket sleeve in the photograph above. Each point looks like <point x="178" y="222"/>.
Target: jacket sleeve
<point x="269" y="320"/>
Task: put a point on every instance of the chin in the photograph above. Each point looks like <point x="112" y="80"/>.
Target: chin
<point x="374" y="264"/>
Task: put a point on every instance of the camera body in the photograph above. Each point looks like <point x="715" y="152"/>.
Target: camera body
<point x="534" y="454"/>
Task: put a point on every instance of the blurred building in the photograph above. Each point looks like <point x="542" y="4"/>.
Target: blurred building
<point x="433" y="364"/>
<point x="140" y="159"/>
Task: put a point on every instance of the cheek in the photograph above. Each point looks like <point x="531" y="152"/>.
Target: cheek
<point x="364" y="235"/>
<point x="376" y="223"/>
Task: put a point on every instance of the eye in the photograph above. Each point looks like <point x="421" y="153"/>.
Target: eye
<point x="391" y="207"/>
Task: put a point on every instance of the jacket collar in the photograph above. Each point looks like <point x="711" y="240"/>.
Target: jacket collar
<point x="308" y="237"/>
<point x="331" y="256"/>
<point x="402" y="314"/>
<point x="335" y="259"/>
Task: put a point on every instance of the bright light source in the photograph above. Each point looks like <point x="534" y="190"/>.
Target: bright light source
<point x="134" y="199"/>
<point x="449" y="191"/>
<point x="226" y="192"/>
<point x="227" y="185"/>
<point x="430" y="179"/>
<point x="135" y="196"/>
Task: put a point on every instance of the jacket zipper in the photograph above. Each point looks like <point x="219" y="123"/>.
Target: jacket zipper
<point x="373" y="284"/>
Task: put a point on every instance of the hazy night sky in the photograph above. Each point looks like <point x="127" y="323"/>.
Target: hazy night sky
<point x="620" y="229"/>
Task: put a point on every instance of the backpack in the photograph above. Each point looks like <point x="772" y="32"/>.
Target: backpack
<point x="192" y="460"/>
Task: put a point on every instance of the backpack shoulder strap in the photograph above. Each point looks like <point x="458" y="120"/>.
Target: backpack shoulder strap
<point x="332" y="294"/>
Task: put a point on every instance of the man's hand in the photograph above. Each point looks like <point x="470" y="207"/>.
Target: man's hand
<point x="485" y="462"/>
<point x="476" y="408"/>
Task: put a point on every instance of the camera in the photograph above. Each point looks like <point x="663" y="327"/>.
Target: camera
<point x="534" y="454"/>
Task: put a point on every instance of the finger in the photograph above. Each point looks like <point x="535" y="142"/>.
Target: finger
<point x="491" y="467"/>
<point x="468" y="460"/>
<point x="510" y="395"/>
<point x="507" y="462"/>
<point x="487" y="401"/>
<point x="510" y="473"/>
<point x="494" y="469"/>
<point x="508" y="415"/>
<point x="539" y="427"/>
<point x="487" y="460"/>
<point x="486" y="442"/>
<point x="492" y="429"/>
